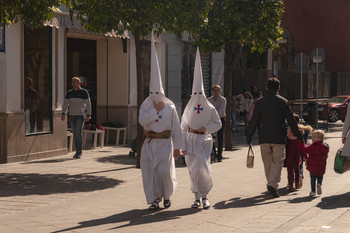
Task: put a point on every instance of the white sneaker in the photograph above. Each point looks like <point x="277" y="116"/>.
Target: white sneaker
<point x="319" y="189"/>
<point x="312" y="194"/>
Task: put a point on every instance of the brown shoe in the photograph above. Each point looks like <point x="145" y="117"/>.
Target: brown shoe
<point x="290" y="188"/>
<point x="300" y="182"/>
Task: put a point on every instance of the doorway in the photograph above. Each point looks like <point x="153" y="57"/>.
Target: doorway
<point x="81" y="62"/>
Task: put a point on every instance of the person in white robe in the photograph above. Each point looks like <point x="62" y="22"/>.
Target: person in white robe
<point x="199" y="120"/>
<point x="164" y="139"/>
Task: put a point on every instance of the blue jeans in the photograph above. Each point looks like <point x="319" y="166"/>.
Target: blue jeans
<point x="77" y="123"/>
<point x="233" y="120"/>
<point x="313" y="179"/>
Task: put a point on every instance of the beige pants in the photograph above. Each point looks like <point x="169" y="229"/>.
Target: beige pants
<point x="273" y="156"/>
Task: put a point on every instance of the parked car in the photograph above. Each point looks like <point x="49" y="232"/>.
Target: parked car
<point x="335" y="108"/>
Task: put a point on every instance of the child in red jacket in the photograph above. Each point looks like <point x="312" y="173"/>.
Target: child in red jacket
<point x="316" y="157"/>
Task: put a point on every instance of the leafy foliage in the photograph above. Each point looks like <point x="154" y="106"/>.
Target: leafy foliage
<point x="251" y="23"/>
<point x="33" y="12"/>
<point x="143" y="16"/>
<point x="233" y="25"/>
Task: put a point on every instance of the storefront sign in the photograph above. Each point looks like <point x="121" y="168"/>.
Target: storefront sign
<point x="2" y="37"/>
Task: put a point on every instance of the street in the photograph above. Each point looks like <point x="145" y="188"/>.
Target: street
<point x="102" y="192"/>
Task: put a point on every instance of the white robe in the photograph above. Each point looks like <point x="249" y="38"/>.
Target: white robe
<point x="346" y="133"/>
<point x="157" y="162"/>
<point x="199" y="147"/>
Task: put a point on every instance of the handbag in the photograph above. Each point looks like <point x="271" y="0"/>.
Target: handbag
<point x="250" y="158"/>
<point x="339" y="162"/>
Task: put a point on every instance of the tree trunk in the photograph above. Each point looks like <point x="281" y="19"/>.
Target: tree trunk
<point x="139" y="96"/>
<point x="231" y="57"/>
<point x="228" y="95"/>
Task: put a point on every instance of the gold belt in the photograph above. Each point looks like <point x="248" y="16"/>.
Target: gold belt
<point x="195" y="131"/>
<point x="154" y="135"/>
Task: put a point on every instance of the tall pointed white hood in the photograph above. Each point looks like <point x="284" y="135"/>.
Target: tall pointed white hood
<point x="197" y="112"/>
<point x="156" y="85"/>
<point x="198" y="86"/>
<point x="156" y="91"/>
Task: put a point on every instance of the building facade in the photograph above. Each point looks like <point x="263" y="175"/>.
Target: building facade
<point x="36" y="67"/>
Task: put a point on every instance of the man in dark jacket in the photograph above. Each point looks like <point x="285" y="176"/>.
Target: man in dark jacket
<point x="269" y="117"/>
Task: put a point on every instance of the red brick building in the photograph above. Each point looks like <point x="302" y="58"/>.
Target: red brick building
<point x="323" y="24"/>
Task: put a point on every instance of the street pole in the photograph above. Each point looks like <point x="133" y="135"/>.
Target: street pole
<point x="316" y="90"/>
<point x="301" y="88"/>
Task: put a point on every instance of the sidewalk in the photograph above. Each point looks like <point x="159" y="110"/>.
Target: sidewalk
<point x="102" y="192"/>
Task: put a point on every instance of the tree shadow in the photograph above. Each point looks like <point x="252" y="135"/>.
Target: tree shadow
<point x="127" y="160"/>
<point x="17" y="184"/>
<point x="134" y="217"/>
<point x="336" y="201"/>
<point x="239" y="202"/>
<point x="49" y="161"/>
<point x="118" y="159"/>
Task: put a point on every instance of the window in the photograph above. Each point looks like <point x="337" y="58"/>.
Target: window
<point x="38" y="80"/>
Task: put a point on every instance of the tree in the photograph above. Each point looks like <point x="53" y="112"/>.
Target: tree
<point x="31" y="11"/>
<point x="139" y="18"/>
<point x="232" y="25"/>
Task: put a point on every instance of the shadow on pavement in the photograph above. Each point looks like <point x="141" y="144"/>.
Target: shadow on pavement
<point x="49" y="161"/>
<point x="134" y="218"/>
<point x="120" y="159"/>
<point x="336" y="201"/>
<point x="302" y="199"/>
<point x="127" y="160"/>
<point x="17" y="184"/>
<point x="239" y="202"/>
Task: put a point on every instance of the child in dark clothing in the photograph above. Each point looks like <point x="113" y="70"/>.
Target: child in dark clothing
<point x="316" y="157"/>
<point x="292" y="160"/>
<point x="294" y="157"/>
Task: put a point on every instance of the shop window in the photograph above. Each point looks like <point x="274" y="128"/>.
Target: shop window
<point x="38" y="80"/>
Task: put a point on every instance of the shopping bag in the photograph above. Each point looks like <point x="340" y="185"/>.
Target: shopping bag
<point x="250" y="158"/>
<point x="339" y="162"/>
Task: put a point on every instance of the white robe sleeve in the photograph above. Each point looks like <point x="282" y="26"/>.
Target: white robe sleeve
<point x="184" y="125"/>
<point x="346" y="126"/>
<point x="176" y="132"/>
<point x="215" y="123"/>
<point x="147" y="116"/>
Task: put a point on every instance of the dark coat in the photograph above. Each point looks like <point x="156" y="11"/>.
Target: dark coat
<point x="269" y="116"/>
<point x="316" y="155"/>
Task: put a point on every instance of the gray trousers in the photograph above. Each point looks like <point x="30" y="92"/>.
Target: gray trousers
<point x="273" y="156"/>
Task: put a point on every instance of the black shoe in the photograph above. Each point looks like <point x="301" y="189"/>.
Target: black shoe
<point x="273" y="191"/>
<point x="167" y="203"/>
<point x="154" y="206"/>
<point x="77" y="155"/>
<point x="206" y="203"/>
<point x="196" y="204"/>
